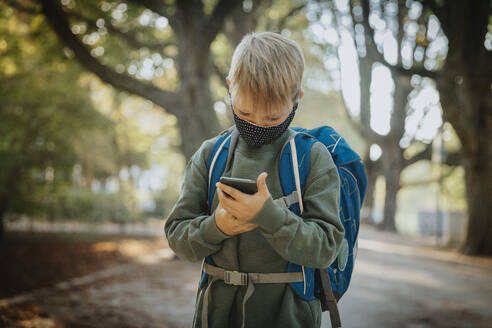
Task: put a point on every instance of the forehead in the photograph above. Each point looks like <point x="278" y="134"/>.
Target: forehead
<point x="249" y="104"/>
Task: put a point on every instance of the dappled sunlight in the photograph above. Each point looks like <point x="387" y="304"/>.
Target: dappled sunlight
<point x="128" y="248"/>
<point x="27" y="316"/>
<point x="133" y="248"/>
<point x="105" y="247"/>
<point x="157" y="256"/>
<point x="143" y="251"/>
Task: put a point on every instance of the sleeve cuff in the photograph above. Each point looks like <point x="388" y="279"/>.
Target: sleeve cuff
<point x="270" y="218"/>
<point x="210" y="232"/>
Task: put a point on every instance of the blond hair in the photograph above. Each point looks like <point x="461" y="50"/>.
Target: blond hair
<point x="266" y="72"/>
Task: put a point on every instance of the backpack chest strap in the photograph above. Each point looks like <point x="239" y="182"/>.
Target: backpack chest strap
<point x="243" y="279"/>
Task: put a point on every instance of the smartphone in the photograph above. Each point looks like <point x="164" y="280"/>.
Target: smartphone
<point x="246" y="186"/>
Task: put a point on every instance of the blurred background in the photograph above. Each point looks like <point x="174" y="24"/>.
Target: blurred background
<point x="103" y="103"/>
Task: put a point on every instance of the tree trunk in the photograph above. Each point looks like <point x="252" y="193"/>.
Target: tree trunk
<point x="477" y="159"/>
<point x="372" y="170"/>
<point x="468" y="107"/>
<point x="478" y="177"/>
<point x="197" y="119"/>
<point x="464" y="87"/>
<point x="2" y="227"/>
<point x="392" y="173"/>
<point x="194" y="31"/>
<point x="4" y="207"/>
<point x="393" y="160"/>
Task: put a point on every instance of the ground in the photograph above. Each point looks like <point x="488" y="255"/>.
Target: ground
<point x="61" y="280"/>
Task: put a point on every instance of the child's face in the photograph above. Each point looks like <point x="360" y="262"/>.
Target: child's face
<point x="260" y="117"/>
<point x="246" y="110"/>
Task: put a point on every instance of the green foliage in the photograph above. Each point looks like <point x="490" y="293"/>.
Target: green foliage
<point x="49" y="125"/>
<point x="42" y="111"/>
<point x="84" y="205"/>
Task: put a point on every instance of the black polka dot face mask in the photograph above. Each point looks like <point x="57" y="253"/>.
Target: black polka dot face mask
<point x="256" y="135"/>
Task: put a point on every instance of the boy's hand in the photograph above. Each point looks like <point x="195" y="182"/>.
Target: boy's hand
<point x="230" y="225"/>
<point x="244" y="206"/>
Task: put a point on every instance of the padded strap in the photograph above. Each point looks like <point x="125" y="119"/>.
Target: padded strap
<point x="211" y="169"/>
<point x="331" y="302"/>
<point x="296" y="172"/>
<point x="232" y="146"/>
<point x="287" y="201"/>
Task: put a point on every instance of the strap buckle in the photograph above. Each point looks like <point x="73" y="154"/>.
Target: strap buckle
<point x="235" y="278"/>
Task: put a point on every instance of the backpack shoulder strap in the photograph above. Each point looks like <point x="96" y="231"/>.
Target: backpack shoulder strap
<point x="220" y="159"/>
<point x="294" y="167"/>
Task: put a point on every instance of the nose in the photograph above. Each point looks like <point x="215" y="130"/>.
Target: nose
<point x="255" y="120"/>
<point x="260" y="122"/>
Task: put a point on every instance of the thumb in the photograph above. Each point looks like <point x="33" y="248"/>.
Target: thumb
<point x="262" y="186"/>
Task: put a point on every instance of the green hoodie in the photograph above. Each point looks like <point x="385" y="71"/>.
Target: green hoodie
<point x="312" y="240"/>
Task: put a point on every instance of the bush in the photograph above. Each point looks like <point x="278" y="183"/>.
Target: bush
<point x="84" y="205"/>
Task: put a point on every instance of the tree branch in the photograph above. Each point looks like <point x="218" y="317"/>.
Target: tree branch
<point x="159" y="7"/>
<point x="365" y="132"/>
<point x="222" y="75"/>
<point x="451" y="159"/>
<point x="22" y="8"/>
<point x="429" y="181"/>
<point x="440" y="12"/>
<point x="374" y="54"/>
<point x="58" y="21"/>
<point x="293" y="11"/>
<point x="129" y="38"/>
<point x="239" y="22"/>
<point x="215" y="21"/>
<point x="425" y="154"/>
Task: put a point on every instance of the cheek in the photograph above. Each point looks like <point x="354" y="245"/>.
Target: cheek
<point x="252" y="119"/>
<point x="262" y="122"/>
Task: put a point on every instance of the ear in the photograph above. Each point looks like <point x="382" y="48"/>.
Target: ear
<point x="301" y="94"/>
<point x="228" y="81"/>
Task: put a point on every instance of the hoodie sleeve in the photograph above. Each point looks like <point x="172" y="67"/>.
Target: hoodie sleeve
<point x="314" y="238"/>
<point x="192" y="233"/>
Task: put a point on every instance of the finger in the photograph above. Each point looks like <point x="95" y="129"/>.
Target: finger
<point x="261" y="182"/>
<point x="227" y="203"/>
<point x="233" y="192"/>
<point x="221" y="195"/>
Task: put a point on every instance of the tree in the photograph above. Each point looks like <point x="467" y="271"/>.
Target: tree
<point x="462" y="71"/>
<point x="38" y="122"/>
<point x="464" y="84"/>
<point x="182" y="31"/>
<point x="398" y="144"/>
<point x="194" y="27"/>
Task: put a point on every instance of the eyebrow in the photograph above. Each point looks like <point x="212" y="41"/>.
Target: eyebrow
<point x="244" y="113"/>
<point x="271" y="117"/>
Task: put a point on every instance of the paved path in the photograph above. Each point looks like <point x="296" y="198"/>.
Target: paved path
<point x="398" y="282"/>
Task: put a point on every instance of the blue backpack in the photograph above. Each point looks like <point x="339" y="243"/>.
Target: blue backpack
<point x="331" y="283"/>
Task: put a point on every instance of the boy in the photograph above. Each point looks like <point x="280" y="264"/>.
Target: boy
<point x="252" y="233"/>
